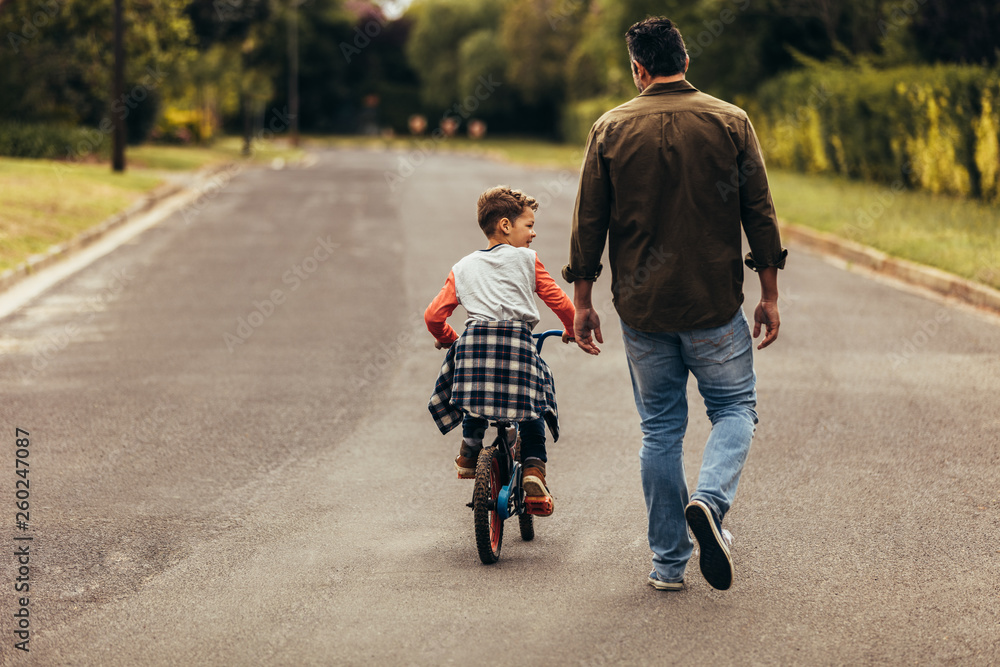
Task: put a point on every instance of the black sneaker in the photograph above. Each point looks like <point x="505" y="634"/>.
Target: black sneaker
<point x="715" y="561"/>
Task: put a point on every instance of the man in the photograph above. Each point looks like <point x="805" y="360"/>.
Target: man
<point x="668" y="178"/>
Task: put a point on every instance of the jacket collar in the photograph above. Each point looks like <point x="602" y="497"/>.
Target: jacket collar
<point x="681" y="86"/>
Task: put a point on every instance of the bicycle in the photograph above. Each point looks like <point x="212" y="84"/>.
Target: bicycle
<point x="498" y="494"/>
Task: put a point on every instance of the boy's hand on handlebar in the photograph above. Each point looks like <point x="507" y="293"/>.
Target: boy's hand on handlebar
<point x="567" y="337"/>
<point x="443" y="346"/>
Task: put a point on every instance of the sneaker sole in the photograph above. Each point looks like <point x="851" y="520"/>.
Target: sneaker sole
<point x="666" y="585"/>
<point x="465" y="473"/>
<point x="715" y="562"/>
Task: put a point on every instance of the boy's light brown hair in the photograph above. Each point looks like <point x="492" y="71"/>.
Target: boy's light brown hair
<point x="501" y="202"/>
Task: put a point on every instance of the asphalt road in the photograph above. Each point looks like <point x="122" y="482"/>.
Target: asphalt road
<point x="274" y="492"/>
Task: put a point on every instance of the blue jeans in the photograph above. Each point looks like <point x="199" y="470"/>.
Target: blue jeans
<point x="721" y="360"/>
<point x="532" y="435"/>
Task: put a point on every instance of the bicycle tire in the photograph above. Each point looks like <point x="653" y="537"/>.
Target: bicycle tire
<point x="527" y="524"/>
<point x="489" y="525"/>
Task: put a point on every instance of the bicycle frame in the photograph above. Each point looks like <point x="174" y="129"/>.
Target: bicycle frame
<point x="510" y="499"/>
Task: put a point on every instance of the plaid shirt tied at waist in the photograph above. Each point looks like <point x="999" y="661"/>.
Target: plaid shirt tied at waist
<point x="494" y="371"/>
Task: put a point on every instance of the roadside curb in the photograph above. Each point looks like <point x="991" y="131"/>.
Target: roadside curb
<point x="935" y="280"/>
<point x="36" y="263"/>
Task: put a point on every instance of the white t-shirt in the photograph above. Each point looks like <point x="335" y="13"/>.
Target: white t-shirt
<point x="498" y="284"/>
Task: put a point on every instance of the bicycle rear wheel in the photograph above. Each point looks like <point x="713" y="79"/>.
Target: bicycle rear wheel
<point x="489" y="525"/>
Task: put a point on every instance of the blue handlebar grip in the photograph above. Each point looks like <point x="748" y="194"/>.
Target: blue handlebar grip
<point x="540" y="337"/>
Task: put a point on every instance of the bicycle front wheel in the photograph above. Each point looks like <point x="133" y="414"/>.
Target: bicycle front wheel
<point x="527" y="524"/>
<point x="489" y="525"/>
<point x="525" y="521"/>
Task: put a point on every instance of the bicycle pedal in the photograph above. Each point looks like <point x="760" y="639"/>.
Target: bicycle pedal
<point x="538" y="505"/>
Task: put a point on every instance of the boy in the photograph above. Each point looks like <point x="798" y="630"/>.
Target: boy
<point x="493" y="370"/>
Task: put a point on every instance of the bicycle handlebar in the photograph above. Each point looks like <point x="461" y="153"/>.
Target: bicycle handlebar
<point x="540" y="337"/>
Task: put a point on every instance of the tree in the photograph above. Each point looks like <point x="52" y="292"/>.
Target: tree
<point x="538" y="36"/>
<point x="225" y="21"/>
<point x="59" y="64"/>
<point x="963" y="32"/>
<point x="222" y="81"/>
<point x="439" y="28"/>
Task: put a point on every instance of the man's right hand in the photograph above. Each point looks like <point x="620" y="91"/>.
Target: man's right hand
<point x="585" y="322"/>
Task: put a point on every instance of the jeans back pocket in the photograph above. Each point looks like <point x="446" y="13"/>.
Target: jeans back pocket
<point x="637" y="346"/>
<point x="716" y="344"/>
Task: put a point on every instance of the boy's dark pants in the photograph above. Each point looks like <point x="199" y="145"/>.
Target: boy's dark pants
<point x="532" y="435"/>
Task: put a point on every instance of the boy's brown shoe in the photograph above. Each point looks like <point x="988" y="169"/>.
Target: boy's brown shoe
<point x="537" y="498"/>
<point x="534" y="482"/>
<point x="466" y="461"/>
<point x="466" y="467"/>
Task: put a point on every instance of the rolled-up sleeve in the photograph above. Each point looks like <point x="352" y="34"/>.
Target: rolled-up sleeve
<point x="591" y="215"/>
<point x="760" y="222"/>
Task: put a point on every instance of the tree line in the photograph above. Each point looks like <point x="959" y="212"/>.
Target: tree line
<point x="553" y="64"/>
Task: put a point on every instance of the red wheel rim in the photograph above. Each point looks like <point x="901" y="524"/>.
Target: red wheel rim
<point x="496" y="524"/>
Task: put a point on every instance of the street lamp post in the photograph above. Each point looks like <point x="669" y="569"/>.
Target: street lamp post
<point x="118" y="119"/>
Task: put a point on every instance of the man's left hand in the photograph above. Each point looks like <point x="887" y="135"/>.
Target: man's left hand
<point x="586" y="323"/>
<point x="766" y="314"/>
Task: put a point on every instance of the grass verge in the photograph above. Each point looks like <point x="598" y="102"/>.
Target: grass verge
<point x="960" y="236"/>
<point x="45" y="202"/>
<point x="222" y="151"/>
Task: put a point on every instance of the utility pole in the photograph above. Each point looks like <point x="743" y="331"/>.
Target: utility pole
<point x="118" y="119"/>
<point x="247" y="124"/>
<point x="293" y="70"/>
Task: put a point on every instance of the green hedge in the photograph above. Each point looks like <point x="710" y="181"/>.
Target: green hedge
<point x="51" y="141"/>
<point x="579" y="117"/>
<point x="933" y="128"/>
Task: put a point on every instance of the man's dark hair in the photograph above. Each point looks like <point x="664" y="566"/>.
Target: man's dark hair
<point x="657" y="45"/>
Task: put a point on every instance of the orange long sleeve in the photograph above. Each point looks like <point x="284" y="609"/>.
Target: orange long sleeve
<point x="553" y="296"/>
<point x="437" y="313"/>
